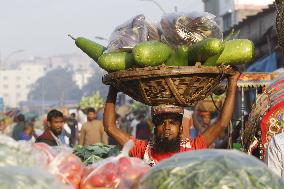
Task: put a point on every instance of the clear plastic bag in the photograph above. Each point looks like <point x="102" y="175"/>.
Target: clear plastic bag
<point x="67" y="167"/>
<point x="14" y="177"/>
<point x="119" y="172"/>
<point x="204" y="169"/>
<point x="188" y="28"/>
<point x="58" y="161"/>
<point x="21" y="153"/>
<point x="132" y="32"/>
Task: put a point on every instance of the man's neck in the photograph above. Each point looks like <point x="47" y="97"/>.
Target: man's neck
<point x="56" y="135"/>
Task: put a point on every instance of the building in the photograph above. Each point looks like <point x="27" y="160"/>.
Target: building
<point x="15" y="84"/>
<point x="230" y="12"/>
<point x="17" y="79"/>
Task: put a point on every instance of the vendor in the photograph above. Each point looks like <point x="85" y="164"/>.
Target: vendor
<point x="55" y="123"/>
<point x="167" y="139"/>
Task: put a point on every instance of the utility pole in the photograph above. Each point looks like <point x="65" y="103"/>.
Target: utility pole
<point x="158" y="5"/>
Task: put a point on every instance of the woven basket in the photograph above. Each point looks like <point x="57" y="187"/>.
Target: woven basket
<point x="280" y="23"/>
<point x="176" y="85"/>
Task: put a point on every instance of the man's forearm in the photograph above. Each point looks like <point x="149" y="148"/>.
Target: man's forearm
<point x="223" y="121"/>
<point x="109" y="120"/>
<point x="228" y="107"/>
<point x="109" y="111"/>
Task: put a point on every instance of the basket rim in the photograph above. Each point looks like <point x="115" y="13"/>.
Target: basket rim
<point x="165" y="71"/>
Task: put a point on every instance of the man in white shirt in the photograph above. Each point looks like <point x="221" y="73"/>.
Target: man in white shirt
<point x="275" y="154"/>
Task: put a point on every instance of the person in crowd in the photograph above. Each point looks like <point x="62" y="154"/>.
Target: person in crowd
<point x="275" y="154"/>
<point x="27" y="133"/>
<point x="32" y="122"/>
<point x="167" y="139"/>
<point x="187" y="124"/>
<point x="133" y="124"/>
<point x="73" y="128"/>
<point x="2" y="126"/>
<point x="55" y="123"/>
<point x="201" y="120"/>
<point x="19" y="127"/>
<point x="92" y="131"/>
<point x="143" y="130"/>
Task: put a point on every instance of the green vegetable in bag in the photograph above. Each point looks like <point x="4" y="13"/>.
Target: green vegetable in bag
<point x="214" y="169"/>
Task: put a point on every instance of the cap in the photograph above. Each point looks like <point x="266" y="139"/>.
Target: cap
<point x="162" y="109"/>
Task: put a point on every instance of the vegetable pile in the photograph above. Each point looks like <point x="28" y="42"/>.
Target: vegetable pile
<point x="115" y="172"/>
<point x="24" y="166"/>
<point x="182" y="39"/>
<point x="92" y="153"/>
<point x="211" y="169"/>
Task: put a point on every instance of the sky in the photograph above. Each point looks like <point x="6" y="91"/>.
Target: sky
<point x="40" y="27"/>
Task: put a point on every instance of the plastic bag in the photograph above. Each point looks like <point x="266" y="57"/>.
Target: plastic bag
<point x="188" y="28"/>
<point x="132" y="32"/>
<point x="211" y="169"/>
<point x="13" y="153"/>
<point x="115" y="172"/>
<point x="46" y="150"/>
<point x="28" y="178"/>
<point x="67" y="167"/>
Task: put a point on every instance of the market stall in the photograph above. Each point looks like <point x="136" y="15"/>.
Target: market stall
<point x="265" y="119"/>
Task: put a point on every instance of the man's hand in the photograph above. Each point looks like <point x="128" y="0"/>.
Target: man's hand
<point x="112" y="90"/>
<point x="235" y="76"/>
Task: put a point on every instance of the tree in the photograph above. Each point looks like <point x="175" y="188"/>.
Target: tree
<point x="95" y="84"/>
<point x="56" y="85"/>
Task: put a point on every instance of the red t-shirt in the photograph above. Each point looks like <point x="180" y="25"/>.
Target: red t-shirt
<point x="142" y="150"/>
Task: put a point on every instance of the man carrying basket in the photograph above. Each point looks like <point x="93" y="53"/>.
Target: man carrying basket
<point x="167" y="119"/>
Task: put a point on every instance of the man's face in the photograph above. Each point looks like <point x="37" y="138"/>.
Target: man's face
<point x="167" y="132"/>
<point x="168" y="126"/>
<point x="91" y="116"/>
<point x="56" y="125"/>
<point x="206" y="119"/>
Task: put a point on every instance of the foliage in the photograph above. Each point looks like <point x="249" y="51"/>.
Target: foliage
<point x="92" y="153"/>
<point x="56" y="85"/>
<point x="95" y="101"/>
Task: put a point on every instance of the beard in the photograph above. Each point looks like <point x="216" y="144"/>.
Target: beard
<point x="56" y="132"/>
<point x="163" y="145"/>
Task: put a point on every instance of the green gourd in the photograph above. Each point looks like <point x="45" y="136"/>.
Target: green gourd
<point x="91" y="48"/>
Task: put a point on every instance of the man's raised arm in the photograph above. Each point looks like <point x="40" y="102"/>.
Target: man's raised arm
<point x="214" y="131"/>
<point x="109" y="120"/>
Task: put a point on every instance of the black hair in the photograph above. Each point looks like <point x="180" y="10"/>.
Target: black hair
<point x="91" y="110"/>
<point x="54" y="114"/>
<point x="21" y="117"/>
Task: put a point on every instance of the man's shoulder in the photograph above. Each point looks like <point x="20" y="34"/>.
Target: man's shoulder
<point x="97" y="122"/>
<point x="46" y="141"/>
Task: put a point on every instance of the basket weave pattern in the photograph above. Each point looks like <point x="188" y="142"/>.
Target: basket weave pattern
<point x="182" y="86"/>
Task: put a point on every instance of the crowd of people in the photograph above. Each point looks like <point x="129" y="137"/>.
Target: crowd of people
<point x="170" y="130"/>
